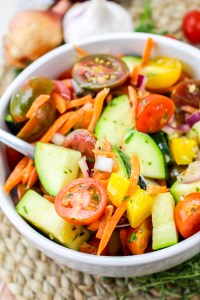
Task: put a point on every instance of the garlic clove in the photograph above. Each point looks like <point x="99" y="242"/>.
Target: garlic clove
<point x="95" y="17"/>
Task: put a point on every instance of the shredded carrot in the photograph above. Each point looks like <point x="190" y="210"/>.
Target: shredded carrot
<point x="87" y="118"/>
<point x="135" y="73"/>
<point x="93" y="226"/>
<point x="102" y="152"/>
<point x="59" y="102"/>
<point x="28" y="127"/>
<point x="104" y="182"/>
<point x="147" y="52"/>
<point x="133" y="100"/>
<point x="109" y="98"/>
<point x="40" y="101"/>
<point x="81" y="51"/>
<point x="135" y="173"/>
<point x="50" y="198"/>
<point x="156" y="189"/>
<point x="104" y="220"/>
<point x="87" y="248"/>
<point x="112" y="223"/>
<point x="27" y="171"/>
<point x="21" y="190"/>
<point x="162" y="182"/>
<point x="33" y="178"/>
<point x="115" y="167"/>
<point x="123" y="239"/>
<point x="189" y="109"/>
<point x="55" y="127"/>
<point x="99" y="175"/>
<point x="16" y="176"/>
<point x="79" y="102"/>
<point x="98" y="105"/>
<point x="106" y="145"/>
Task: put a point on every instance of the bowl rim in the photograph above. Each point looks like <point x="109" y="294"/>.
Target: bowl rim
<point x="45" y="243"/>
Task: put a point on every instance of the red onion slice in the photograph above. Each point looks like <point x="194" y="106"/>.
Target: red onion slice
<point x="191" y="174"/>
<point x="141" y="81"/>
<point x="193" y="118"/>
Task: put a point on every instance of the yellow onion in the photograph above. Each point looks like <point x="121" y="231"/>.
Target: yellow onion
<point x="32" y="33"/>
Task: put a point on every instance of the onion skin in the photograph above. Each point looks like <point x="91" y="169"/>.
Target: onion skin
<point x="33" y="33"/>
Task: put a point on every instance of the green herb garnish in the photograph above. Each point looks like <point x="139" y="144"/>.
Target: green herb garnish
<point x="133" y="237"/>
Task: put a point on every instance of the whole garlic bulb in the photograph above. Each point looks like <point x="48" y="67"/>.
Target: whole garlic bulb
<point x="93" y="18"/>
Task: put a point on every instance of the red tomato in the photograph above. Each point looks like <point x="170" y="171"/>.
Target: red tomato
<point x="138" y="238"/>
<point x="191" y="26"/>
<point x="82" y="140"/>
<point x="61" y="89"/>
<point x="82" y="201"/>
<point x="187" y="215"/>
<point x="153" y="113"/>
<point x="13" y="157"/>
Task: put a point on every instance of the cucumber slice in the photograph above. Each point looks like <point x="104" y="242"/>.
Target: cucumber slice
<point x="164" y="228"/>
<point x="152" y="161"/>
<point x="131" y="61"/>
<point x="179" y="190"/>
<point x="123" y="162"/>
<point x="115" y="119"/>
<point x="41" y="213"/>
<point x="56" y="166"/>
<point x="194" y="132"/>
<point x="161" y="141"/>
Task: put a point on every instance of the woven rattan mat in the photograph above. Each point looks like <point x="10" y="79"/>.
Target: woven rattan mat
<point x="27" y="272"/>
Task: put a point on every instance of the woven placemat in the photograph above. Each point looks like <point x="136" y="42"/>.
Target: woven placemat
<point x="28" y="273"/>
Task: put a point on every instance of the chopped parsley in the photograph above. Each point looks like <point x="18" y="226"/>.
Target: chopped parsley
<point x="133" y="237"/>
<point x="95" y="197"/>
<point x="25" y="209"/>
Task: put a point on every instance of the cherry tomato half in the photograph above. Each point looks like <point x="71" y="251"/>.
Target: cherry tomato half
<point x="97" y="71"/>
<point x="191" y="26"/>
<point x="187" y="215"/>
<point x="82" y="140"/>
<point x="82" y="201"/>
<point x="153" y="113"/>
<point x="13" y="157"/>
<point x="186" y="92"/>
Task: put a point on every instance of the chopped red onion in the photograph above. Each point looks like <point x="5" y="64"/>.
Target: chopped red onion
<point x="103" y="163"/>
<point x="191" y="174"/>
<point x="191" y="119"/>
<point x="84" y="167"/>
<point x="141" y="81"/>
<point x="77" y="89"/>
<point x="183" y="128"/>
<point x="58" y="139"/>
<point x="168" y="129"/>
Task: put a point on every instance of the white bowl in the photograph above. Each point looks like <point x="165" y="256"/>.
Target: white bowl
<point x="51" y="65"/>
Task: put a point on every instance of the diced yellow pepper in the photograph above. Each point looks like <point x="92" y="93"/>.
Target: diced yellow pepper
<point x="117" y="187"/>
<point x="139" y="207"/>
<point x="183" y="150"/>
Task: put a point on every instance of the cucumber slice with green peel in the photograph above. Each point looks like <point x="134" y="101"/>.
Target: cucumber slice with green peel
<point x="179" y="190"/>
<point x="161" y="141"/>
<point x="56" y="166"/>
<point x="123" y="162"/>
<point x="164" y="228"/>
<point x="41" y="213"/>
<point x="131" y="61"/>
<point x="151" y="158"/>
<point x="194" y="132"/>
<point x="114" y="121"/>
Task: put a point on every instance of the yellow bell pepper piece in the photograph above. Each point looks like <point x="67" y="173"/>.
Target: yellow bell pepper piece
<point x="117" y="187"/>
<point x="183" y="150"/>
<point x="139" y="207"/>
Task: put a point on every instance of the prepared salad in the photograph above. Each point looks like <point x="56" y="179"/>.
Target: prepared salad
<point x="116" y="169"/>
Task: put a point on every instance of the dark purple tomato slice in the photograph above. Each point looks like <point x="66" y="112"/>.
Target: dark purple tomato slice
<point x="187" y="92"/>
<point x="97" y="71"/>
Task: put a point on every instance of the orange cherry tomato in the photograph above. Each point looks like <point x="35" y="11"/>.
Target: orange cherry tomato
<point x="138" y="238"/>
<point x="187" y="215"/>
<point x="82" y="201"/>
<point x="153" y="112"/>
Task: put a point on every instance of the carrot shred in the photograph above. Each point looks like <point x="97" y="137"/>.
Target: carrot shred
<point x="104" y="220"/>
<point x="112" y="223"/>
<point x="74" y="118"/>
<point x="79" y="102"/>
<point x="98" y="105"/>
<point x="33" y="178"/>
<point x="81" y="51"/>
<point x="99" y="175"/>
<point x="156" y="189"/>
<point x="21" y="190"/>
<point x="123" y="239"/>
<point x="16" y="176"/>
<point x="109" y="99"/>
<point x="133" y="100"/>
<point x="102" y="152"/>
<point x="147" y="52"/>
<point x="87" y="118"/>
<point x="50" y="198"/>
<point x="135" y="73"/>
<point x="59" y="102"/>
<point x="27" y="171"/>
<point x="40" y="101"/>
<point x="162" y="182"/>
<point x="87" y="248"/>
<point x="104" y="182"/>
<point x="93" y="226"/>
<point x="55" y="127"/>
<point x="189" y="109"/>
<point x="106" y="145"/>
<point x="28" y="127"/>
<point x="135" y="173"/>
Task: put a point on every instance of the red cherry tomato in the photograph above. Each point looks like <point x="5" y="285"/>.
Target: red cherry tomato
<point x="83" y="201"/>
<point x="13" y="157"/>
<point x="62" y="90"/>
<point x="191" y="26"/>
<point x="82" y="140"/>
<point x="153" y="113"/>
<point x="187" y="215"/>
